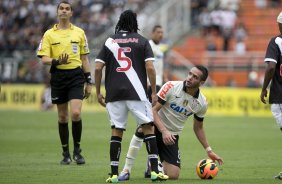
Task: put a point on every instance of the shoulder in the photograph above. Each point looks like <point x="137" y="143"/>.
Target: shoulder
<point x="175" y="85"/>
<point x="202" y="98"/>
<point x="140" y="37"/>
<point x="49" y="32"/>
<point x="277" y="40"/>
<point x="78" y="29"/>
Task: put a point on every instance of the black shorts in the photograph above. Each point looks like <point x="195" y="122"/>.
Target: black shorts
<point x="168" y="153"/>
<point x="67" y="85"/>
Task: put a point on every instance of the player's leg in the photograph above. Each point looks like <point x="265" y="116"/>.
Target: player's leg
<point x="171" y="170"/>
<point x="75" y="110"/>
<point x="142" y="111"/>
<point x="276" y="110"/>
<point x="64" y="131"/>
<point x="59" y="96"/>
<point x="75" y="96"/>
<point x="134" y="147"/>
<point x="169" y="156"/>
<point x="118" y="117"/>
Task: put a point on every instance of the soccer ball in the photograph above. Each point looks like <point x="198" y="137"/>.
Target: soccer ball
<point x="206" y="169"/>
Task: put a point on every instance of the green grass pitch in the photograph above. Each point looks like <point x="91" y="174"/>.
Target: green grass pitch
<point x="30" y="150"/>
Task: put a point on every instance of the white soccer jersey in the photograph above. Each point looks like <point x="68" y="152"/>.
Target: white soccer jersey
<point x="179" y="105"/>
<point x="158" y="63"/>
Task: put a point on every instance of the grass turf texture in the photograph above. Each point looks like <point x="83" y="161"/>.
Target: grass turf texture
<point x="30" y="150"/>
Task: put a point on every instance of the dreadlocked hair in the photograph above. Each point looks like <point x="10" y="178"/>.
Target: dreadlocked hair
<point x="127" y="22"/>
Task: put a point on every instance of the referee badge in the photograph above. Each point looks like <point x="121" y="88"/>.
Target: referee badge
<point x="74" y="48"/>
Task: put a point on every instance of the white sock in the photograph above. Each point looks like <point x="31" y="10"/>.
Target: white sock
<point x="134" y="147"/>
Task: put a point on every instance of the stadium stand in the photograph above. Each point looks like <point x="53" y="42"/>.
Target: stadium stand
<point x="22" y="30"/>
<point x="259" y="24"/>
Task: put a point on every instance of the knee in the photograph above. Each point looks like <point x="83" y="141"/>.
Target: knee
<point x="148" y="129"/>
<point x="63" y="117"/>
<point x="75" y="115"/>
<point x="173" y="176"/>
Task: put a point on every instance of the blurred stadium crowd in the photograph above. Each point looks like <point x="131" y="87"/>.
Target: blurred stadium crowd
<point x="22" y="29"/>
<point x="23" y="22"/>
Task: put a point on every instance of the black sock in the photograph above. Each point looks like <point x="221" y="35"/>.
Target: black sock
<point x="64" y="135"/>
<point x="76" y="133"/>
<point x="152" y="149"/>
<point x="115" y="149"/>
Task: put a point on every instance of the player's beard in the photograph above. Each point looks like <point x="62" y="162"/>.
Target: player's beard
<point x="190" y="85"/>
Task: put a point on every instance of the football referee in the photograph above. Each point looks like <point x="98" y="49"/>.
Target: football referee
<point x="65" y="48"/>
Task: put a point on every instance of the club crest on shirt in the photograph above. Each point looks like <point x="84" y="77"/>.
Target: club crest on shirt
<point x="74" y="48"/>
<point x="185" y="103"/>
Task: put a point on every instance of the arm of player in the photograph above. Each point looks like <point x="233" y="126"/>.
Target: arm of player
<point x="200" y="133"/>
<point x="269" y="72"/>
<point x="168" y="138"/>
<point x="152" y="78"/>
<point x="87" y="73"/>
<point x="98" y="77"/>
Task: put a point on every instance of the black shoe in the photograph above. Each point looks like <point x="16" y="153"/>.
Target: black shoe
<point x="67" y="159"/>
<point x="77" y="157"/>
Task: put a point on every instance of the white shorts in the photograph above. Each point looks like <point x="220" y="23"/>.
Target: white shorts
<point x="118" y="112"/>
<point x="276" y="110"/>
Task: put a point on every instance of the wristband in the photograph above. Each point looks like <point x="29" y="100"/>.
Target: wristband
<point x="55" y="62"/>
<point x="87" y="77"/>
<point x="208" y="149"/>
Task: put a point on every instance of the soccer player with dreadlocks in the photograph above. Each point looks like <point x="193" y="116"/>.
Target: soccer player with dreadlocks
<point x="128" y="59"/>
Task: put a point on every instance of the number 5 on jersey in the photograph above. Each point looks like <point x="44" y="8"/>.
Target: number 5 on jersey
<point x="124" y="59"/>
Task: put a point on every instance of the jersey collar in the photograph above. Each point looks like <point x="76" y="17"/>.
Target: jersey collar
<point x="196" y="95"/>
<point x="55" y="27"/>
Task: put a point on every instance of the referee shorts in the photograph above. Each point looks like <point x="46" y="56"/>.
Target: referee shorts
<point x="67" y="85"/>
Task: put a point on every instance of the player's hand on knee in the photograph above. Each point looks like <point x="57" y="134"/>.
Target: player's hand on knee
<point x="168" y="138"/>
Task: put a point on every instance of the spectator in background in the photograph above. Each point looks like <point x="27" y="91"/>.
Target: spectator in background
<point x="275" y="3"/>
<point x="240" y="32"/>
<point x="211" y="46"/>
<point x="240" y="35"/>
<point x="253" y="80"/>
<point x="196" y="8"/>
<point x="261" y="3"/>
<point x="205" y="21"/>
<point x="240" y="47"/>
<point x="228" y="18"/>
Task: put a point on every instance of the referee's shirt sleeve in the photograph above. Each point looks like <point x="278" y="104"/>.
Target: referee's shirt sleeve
<point x="84" y="49"/>
<point x="44" y="47"/>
